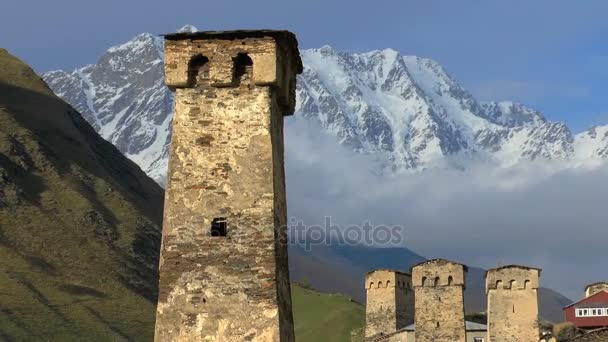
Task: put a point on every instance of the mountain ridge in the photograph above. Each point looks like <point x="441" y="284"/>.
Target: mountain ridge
<point x="407" y="110"/>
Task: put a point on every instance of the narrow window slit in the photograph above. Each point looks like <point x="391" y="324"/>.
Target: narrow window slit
<point x="219" y="227"/>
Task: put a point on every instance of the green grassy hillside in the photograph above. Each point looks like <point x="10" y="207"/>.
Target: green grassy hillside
<point x="324" y="317"/>
<point x="79" y="223"/>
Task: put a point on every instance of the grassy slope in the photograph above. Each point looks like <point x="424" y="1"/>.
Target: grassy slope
<point x="79" y="223"/>
<point x="324" y="317"/>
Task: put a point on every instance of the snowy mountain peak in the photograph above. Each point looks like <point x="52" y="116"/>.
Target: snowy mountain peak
<point x="188" y="28"/>
<point x="406" y="110"/>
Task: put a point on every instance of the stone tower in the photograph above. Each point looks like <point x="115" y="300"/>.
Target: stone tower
<point x="390" y="302"/>
<point x="223" y="268"/>
<point x="513" y="303"/>
<point x="594" y="288"/>
<point x="439" y="295"/>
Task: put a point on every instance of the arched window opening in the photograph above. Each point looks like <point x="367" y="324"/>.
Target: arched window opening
<point x="436" y="281"/>
<point x="527" y="284"/>
<point x="513" y="284"/>
<point x="499" y="284"/>
<point x="450" y="280"/>
<point x="198" y="70"/>
<point x="388" y="283"/>
<point x="243" y="65"/>
<point x="371" y="284"/>
<point x="379" y="284"/>
<point x="424" y="281"/>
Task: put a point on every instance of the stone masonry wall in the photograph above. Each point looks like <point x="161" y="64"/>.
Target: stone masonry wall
<point x="226" y="165"/>
<point x="439" y="301"/>
<point x="390" y="302"/>
<point x="512" y="304"/>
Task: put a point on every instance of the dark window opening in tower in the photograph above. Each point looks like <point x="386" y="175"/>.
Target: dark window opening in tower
<point x="198" y="70"/>
<point x="242" y="66"/>
<point x="219" y="227"/>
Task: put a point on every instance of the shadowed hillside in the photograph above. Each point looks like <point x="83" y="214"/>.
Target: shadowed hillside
<point x="79" y="223"/>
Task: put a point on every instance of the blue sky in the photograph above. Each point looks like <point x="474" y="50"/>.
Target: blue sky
<point x="548" y="54"/>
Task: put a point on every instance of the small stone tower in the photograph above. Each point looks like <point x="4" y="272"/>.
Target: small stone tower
<point x="390" y="302"/>
<point x="439" y="294"/>
<point x="594" y="288"/>
<point x="513" y="303"/>
<point x="223" y="268"/>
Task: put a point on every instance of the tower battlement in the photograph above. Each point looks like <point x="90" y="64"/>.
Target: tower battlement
<point x="512" y="277"/>
<point x="438" y="272"/>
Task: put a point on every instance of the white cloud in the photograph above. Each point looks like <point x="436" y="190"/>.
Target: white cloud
<point x="540" y="214"/>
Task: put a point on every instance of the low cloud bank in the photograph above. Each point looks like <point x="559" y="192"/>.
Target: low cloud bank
<point x="542" y="214"/>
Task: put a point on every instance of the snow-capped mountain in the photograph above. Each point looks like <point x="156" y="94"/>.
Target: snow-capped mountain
<point x="406" y="109"/>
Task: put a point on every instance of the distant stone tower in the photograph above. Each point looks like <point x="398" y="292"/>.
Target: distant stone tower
<point x="390" y="302"/>
<point x="439" y="295"/>
<point x="513" y="303"/>
<point x="223" y="268"/>
<point x="594" y="288"/>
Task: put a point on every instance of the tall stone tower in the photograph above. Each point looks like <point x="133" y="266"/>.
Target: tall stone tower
<point x="390" y="302"/>
<point x="512" y="303"/>
<point x="438" y="290"/>
<point x="223" y="268"/>
<point x="594" y="288"/>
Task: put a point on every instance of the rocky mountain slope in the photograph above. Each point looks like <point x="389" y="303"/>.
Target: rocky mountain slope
<point x="406" y="110"/>
<point x="79" y="223"/>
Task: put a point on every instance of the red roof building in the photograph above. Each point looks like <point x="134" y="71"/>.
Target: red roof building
<point x="590" y="312"/>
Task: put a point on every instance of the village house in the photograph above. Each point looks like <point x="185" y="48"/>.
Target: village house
<point x="590" y="312"/>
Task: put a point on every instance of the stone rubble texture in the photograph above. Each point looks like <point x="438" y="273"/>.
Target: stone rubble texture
<point x="390" y="302"/>
<point x="226" y="161"/>
<point x="513" y="303"/>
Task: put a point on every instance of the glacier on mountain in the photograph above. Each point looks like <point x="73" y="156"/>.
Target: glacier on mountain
<point x="406" y="110"/>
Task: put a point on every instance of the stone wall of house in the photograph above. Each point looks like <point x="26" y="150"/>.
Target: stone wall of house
<point x="390" y="302"/>
<point x="439" y="303"/>
<point x="223" y="270"/>
<point x="512" y="303"/>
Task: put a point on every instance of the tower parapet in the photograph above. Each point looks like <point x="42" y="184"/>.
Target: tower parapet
<point x="223" y="270"/>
